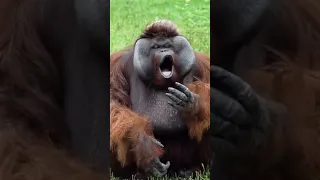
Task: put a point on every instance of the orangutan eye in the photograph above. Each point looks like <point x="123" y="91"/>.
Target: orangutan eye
<point x="155" y="46"/>
<point x="167" y="45"/>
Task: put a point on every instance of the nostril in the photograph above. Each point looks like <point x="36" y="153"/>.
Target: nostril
<point x="164" y="50"/>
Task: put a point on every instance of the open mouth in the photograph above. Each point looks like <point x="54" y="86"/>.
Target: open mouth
<point x="166" y="67"/>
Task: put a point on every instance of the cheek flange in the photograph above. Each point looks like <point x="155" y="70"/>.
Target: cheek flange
<point x="145" y="62"/>
<point x="142" y="61"/>
<point x="185" y="55"/>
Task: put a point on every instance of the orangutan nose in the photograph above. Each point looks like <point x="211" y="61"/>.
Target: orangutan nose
<point x="165" y="59"/>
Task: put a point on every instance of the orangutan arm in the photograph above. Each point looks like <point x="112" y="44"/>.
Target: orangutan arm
<point x="199" y="122"/>
<point x="193" y="101"/>
<point x="130" y="131"/>
<point x="131" y="135"/>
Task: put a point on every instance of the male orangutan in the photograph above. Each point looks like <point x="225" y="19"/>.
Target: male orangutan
<point x="266" y="124"/>
<point x="159" y="111"/>
<point x="54" y="98"/>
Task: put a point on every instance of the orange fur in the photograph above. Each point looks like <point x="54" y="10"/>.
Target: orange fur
<point x="203" y="61"/>
<point x="126" y="129"/>
<point x="200" y="122"/>
<point x="126" y="125"/>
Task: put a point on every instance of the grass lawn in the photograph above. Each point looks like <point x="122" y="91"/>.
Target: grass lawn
<point x="129" y="17"/>
<point x="204" y="176"/>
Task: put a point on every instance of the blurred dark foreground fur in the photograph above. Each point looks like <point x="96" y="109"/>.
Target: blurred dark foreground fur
<point x="25" y="157"/>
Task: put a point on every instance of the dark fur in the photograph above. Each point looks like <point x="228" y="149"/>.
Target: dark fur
<point x="35" y="117"/>
<point x="281" y="62"/>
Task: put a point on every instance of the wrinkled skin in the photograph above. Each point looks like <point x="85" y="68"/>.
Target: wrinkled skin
<point x="181" y="98"/>
<point x="235" y="107"/>
<point x="156" y="168"/>
<point x="184" y="101"/>
<point x="146" y="65"/>
<point x="254" y="121"/>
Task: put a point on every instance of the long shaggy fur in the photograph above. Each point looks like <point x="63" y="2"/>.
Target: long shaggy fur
<point x="26" y="157"/>
<point x="199" y="123"/>
<point x="130" y="136"/>
<point x="289" y="74"/>
<point x="123" y="120"/>
<point x="31" y="123"/>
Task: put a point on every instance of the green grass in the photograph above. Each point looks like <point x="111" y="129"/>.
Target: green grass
<point x="129" y="17"/>
<point x="199" y="176"/>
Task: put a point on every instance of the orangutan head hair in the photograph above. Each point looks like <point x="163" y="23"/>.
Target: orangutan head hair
<point x="161" y="28"/>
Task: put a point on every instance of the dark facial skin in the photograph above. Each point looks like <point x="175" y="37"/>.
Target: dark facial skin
<point x="76" y="33"/>
<point x="153" y="58"/>
<point x="158" y="65"/>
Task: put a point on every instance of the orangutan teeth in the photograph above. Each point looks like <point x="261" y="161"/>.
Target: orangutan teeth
<point x="166" y="73"/>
